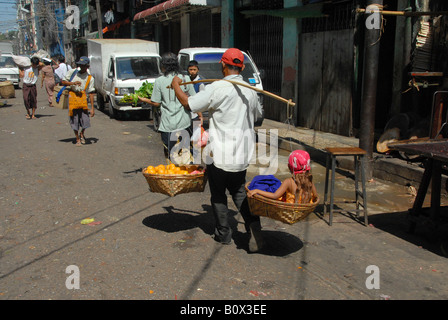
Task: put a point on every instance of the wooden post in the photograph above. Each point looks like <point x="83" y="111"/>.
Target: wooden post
<point x="400" y="62"/>
<point x="290" y="59"/>
<point x="99" y="19"/>
<point x="227" y="24"/>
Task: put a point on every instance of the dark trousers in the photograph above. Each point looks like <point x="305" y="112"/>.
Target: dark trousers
<point x="168" y="144"/>
<point x="219" y="182"/>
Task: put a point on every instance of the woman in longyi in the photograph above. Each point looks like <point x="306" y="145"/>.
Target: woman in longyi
<point x="48" y="80"/>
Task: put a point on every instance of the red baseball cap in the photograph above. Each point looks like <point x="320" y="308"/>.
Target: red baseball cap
<point x="230" y="55"/>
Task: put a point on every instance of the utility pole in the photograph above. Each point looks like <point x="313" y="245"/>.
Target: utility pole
<point x="370" y="81"/>
<point x="99" y="19"/>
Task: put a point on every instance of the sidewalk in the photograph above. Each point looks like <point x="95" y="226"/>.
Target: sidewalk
<point x="148" y="246"/>
<point x="386" y="167"/>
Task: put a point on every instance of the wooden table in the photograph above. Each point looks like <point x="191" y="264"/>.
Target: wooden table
<point x="435" y="152"/>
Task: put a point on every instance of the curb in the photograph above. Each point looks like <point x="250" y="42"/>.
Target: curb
<point x="385" y="167"/>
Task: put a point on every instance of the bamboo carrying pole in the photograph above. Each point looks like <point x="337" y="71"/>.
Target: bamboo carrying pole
<point x="406" y="13"/>
<point x="267" y="93"/>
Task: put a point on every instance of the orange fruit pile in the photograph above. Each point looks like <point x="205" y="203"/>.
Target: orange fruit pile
<point x="166" y="169"/>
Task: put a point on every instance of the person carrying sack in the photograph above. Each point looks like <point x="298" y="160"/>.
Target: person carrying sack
<point x="81" y="84"/>
<point x="30" y="76"/>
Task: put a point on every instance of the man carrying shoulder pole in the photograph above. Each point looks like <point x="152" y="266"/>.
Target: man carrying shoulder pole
<point x="232" y="113"/>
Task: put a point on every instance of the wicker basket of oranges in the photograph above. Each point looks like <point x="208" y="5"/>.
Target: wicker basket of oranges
<point x="172" y="180"/>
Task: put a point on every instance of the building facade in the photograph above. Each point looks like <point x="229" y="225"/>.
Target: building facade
<point x="310" y="51"/>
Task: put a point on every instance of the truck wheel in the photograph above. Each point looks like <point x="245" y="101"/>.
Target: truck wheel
<point x="156" y="118"/>
<point x="112" y="111"/>
<point x="100" y="102"/>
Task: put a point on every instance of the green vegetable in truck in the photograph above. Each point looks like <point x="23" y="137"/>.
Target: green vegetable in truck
<point x="145" y="91"/>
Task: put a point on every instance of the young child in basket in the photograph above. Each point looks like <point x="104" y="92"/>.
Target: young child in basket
<point x="297" y="189"/>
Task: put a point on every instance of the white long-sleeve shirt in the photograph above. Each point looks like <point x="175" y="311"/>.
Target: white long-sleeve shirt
<point x="232" y="113"/>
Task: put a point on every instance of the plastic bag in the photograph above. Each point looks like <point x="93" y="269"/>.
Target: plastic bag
<point x="204" y="137"/>
<point x="41" y="54"/>
<point x="200" y="137"/>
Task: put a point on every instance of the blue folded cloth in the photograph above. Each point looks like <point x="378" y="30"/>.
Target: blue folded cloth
<point x="58" y="96"/>
<point x="267" y="183"/>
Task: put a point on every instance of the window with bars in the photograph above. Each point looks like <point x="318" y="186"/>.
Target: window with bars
<point x="266" y="43"/>
<point x="341" y="15"/>
<point x="205" y="29"/>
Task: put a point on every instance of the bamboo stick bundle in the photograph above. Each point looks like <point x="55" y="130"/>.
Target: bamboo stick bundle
<point x="267" y="93"/>
<point x="406" y="13"/>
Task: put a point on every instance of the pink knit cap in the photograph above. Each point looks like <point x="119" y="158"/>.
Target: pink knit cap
<point x="299" y="161"/>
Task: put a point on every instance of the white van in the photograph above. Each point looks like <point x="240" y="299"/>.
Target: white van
<point x="210" y="68"/>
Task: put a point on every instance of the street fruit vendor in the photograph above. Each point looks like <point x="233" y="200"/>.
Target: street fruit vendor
<point x="232" y="113"/>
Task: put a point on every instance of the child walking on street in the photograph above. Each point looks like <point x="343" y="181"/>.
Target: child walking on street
<point x="197" y="119"/>
<point x="300" y="185"/>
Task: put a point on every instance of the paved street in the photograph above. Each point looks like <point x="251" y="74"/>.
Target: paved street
<point x="150" y="246"/>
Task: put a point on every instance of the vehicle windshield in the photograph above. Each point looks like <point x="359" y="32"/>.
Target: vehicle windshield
<point x="210" y="68"/>
<point x="7" y="62"/>
<point x="138" y="67"/>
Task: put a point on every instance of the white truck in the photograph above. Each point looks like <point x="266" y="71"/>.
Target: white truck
<point x="119" y="67"/>
<point x="210" y="68"/>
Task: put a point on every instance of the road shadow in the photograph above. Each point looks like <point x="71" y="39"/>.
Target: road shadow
<point x="135" y="115"/>
<point x="176" y="219"/>
<point x="38" y="116"/>
<point x="91" y="140"/>
<point x="420" y="231"/>
<point x="276" y="243"/>
<point x="349" y="213"/>
<point x="73" y="140"/>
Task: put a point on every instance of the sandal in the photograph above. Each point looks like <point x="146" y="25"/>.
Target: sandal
<point x="83" y="140"/>
<point x="78" y="143"/>
<point x="28" y="116"/>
